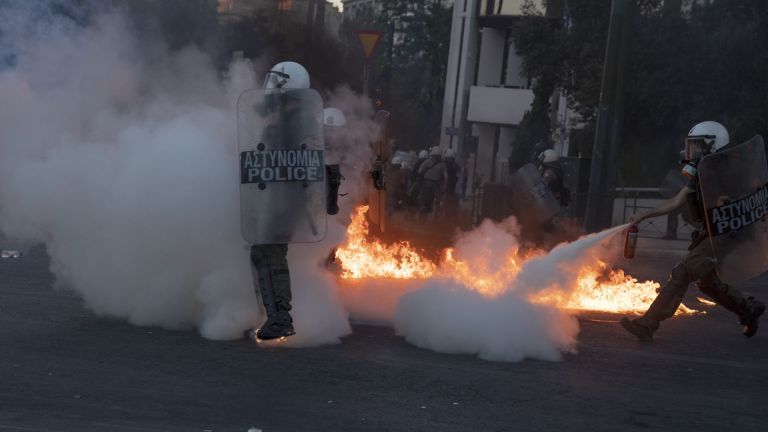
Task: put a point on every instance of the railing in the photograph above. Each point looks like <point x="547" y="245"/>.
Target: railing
<point x="630" y="201"/>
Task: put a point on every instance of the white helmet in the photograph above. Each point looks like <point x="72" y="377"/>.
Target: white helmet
<point x="450" y="153"/>
<point x="706" y="137"/>
<point x="423" y="154"/>
<point x="548" y="156"/>
<point x="333" y="117"/>
<point x="288" y="75"/>
<point x="436" y="151"/>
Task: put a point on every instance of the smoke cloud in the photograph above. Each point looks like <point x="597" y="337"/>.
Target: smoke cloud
<point x="122" y="160"/>
<point x="449" y="315"/>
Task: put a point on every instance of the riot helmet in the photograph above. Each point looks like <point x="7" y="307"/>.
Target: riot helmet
<point x="703" y="138"/>
<point x="287" y="75"/>
<point x="548" y="156"/>
<point x="334" y="117"/>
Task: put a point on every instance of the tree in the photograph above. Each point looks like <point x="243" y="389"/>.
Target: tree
<point x="683" y="69"/>
<point x="540" y="41"/>
<point x="409" y="68"/>
<point x="414" y="72"/>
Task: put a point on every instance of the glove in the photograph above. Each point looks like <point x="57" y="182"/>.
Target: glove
<point x="333" y="181"/>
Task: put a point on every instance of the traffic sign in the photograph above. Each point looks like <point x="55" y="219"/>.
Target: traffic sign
<point x="369" y="40"/>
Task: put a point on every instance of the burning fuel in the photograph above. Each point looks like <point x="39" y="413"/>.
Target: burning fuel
<point x="491" y="270"/>
<point x="364" y="258"/>
<point x="487" y="295"/>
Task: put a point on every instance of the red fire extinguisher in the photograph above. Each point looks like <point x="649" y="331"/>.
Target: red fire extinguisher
<point x="631" y="241"/>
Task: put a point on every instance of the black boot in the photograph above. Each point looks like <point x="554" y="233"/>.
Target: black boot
<point x="640" y="331"/>
<point x="748" y="310"/>
<point x="663" y="307"/>
<point x="276" y="327"/>
<point x="271" y="270"/>
<point x="751" y="319"/>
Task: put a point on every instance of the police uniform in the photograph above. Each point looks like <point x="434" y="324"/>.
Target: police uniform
<point x="432" y="172"/>
<point x="269" y="262"/>
<point x="553" y="175"/>
<point x="699" y="265"/>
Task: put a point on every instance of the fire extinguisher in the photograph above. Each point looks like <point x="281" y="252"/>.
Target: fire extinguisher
<point x="630" y="242"/>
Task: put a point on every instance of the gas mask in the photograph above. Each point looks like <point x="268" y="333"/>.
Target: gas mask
<point x="695" y="148"/>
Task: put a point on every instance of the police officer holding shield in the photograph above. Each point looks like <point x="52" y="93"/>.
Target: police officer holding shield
<point x="720" y="179"/>
<point x="284" y="184"/>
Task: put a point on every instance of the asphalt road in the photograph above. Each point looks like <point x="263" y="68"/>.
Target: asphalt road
<point x="64" y="369"/>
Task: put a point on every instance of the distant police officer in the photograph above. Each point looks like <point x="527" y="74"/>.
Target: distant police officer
<point x="333" y="120"/>
<point x="414" y="180"/>
<point x="451" y="200"/>
<point x="552" y="172"/>
<point x="434" y="176"/>
<point x="706" y="256"/>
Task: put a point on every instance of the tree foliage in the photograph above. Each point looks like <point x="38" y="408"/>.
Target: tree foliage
<point x="409" y="69"/>
<point x="684" y="67"/>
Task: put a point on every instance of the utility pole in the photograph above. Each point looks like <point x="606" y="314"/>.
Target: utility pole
<point x="608" y="133"/>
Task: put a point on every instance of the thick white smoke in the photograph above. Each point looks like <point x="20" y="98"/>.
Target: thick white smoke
<point x="447" y="315"/>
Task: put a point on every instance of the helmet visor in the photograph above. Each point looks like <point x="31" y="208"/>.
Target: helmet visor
<point x="275" y="79"/>
<point x="696" y="148"/>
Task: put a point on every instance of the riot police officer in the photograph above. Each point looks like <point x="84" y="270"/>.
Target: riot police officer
<point x="700" y="264"/>
<point x="552" y="172"/>
<point x="285" y="120"/>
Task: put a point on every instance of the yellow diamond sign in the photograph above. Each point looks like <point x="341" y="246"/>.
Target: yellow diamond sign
<point x="369" y="40"/>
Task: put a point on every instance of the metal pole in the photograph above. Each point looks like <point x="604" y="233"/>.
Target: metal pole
<point x="602" y="180"/>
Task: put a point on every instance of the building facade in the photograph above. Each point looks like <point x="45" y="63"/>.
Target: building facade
<point x="286" y="13"/>
<point x="486" y="94"/>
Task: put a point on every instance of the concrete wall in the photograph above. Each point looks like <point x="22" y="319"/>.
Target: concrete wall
<point x="502" y="106"/>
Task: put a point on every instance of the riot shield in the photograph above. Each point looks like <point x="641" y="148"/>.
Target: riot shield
<point x="734" y="188"/>
<point x="282" y="166"/>
<point x="532" y="202"/>
<point x="377" y="200"/>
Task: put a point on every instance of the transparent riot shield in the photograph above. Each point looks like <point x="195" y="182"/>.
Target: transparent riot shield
<point x="734" y="188"/>
<point x="377" y="199"/>
<point x="532" y="202"/>
<point x="282" y="166"/>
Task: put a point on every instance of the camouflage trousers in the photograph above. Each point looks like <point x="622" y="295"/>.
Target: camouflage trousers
<point x="698" y="266"/>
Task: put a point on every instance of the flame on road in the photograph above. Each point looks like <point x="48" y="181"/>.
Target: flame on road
<point x="362" y="258"/>
<point x="597" y="288"/>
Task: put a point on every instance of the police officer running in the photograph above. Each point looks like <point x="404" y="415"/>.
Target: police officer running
<point x="701" y="263"/>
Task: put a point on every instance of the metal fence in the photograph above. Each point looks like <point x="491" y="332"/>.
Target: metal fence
<point x="630" y="201"/>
